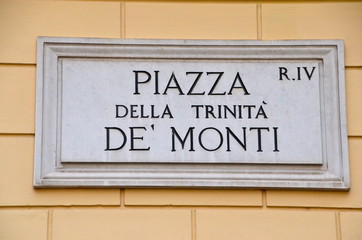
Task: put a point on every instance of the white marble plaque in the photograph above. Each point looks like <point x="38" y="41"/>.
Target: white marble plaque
<point x="175" y="113"/>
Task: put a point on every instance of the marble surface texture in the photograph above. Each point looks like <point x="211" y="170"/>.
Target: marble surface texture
<point x="179" y="113"/>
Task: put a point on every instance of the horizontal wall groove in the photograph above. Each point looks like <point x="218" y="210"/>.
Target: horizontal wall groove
<point x="34" y="64"/>
<point x="18" y="64"/>
<point x="224" y="1"/>
<point x="116" y="207"/>
<point x="58" y="207"/>
<point x="354" y="67"/>
<point x="17" y="134"/>
<point x="355" y="137"/>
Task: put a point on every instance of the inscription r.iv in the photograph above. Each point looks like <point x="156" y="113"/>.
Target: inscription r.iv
<point x="297" y="73"/>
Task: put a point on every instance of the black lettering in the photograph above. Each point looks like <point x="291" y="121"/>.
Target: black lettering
<point x="229" y="132"/>
<point x="275" y="139"/>
<point x="190" y="92"/>
<point x="177" y="86"/>
<point x="133" y="111"/>
<point x="132" y="138"/>
<point x="283" y="72"/>
<point x="156" y="83"/>
<point x="183" y="141"/>
<point x="108" y="141"/>
<point x="153" y="112"/>
<point x="137" y="81"/>
<point x="242" y="86"/>
<point x="249" y="109"/>
<point x="227" y="109"/>
<point x="209" y="110"/>
<point x="142" y="112"/>
<point x="211" y="92"/>
<point x="203" y="146"/>
<point x="298" y="73"/>
<point x="125" y="111"/>
<point x="259" y="135"/>
<point x="197" y="109"/>
<point x="261" y="112"/>
<point x="167" y="111"/>
<point x="309" y="75"/>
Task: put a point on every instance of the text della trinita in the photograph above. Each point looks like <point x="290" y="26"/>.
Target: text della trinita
<point x="131" y="138"/>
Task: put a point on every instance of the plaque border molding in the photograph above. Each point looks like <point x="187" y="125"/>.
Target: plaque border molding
<point x="50" y="172"/>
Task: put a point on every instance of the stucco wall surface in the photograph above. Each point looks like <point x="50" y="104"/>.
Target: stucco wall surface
<point x="188" y="214"/>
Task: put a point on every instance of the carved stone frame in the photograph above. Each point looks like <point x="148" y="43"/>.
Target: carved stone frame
<point x="49" y="171"/>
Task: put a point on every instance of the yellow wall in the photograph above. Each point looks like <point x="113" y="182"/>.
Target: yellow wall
<point x="54" y="214"/>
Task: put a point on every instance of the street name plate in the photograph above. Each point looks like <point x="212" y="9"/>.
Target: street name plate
<point x="187" y="113"/>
